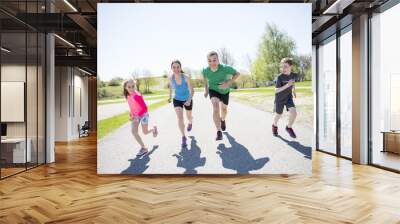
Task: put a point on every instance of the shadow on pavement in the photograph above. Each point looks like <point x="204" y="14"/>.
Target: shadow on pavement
<point x="305" y="150"/>
<point x="139" y="164"/>
<point x="238" y="157"/>
<point x="190" y="159"/>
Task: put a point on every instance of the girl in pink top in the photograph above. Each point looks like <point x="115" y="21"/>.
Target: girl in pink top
<point x="138" y="114"/>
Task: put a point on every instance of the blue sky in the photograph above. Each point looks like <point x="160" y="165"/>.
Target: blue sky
<point x="150" y="35"/>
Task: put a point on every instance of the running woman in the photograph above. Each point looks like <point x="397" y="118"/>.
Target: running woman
<point x="138" y="114"/>
<point x="183" y="97"/>
<point x="284" y="93"/>
<point x="217" y="81"/>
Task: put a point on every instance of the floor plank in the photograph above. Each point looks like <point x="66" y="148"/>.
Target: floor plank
<point x="70" y="191"/>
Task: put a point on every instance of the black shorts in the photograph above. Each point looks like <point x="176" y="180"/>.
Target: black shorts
<point x="278" y="107"/>
<point x="224" y="98"/>
<point x="178" y="103"/>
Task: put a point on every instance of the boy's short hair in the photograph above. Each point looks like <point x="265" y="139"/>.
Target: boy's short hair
<point x="212" y="53"/>
<point x="288" y="61"/>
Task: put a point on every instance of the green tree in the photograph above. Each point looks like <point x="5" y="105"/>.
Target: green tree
<point x="103" y="93"/>
<point x="197" y="83"/>
<point x="303" y="67"/>
<point x="274" y="46"/>
<point x="100" y="83"/>
<point x="117" y="81"/>
<point x="165" y="74"/>
<point x="245" y="81"/>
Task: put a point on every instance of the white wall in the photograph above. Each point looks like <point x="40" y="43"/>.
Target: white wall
<point x="80" y="88"/>
<point x="69" y="85"/>
<point x="62" y="82"/>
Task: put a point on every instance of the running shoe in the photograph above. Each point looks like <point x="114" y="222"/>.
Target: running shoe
<point x="142" y="152"/>
<point x="189" y="127"/>
<point x="223" y="125"/>
<point x="274" y="130"/>
<point x="291" y="132"/>
<point x="184" y="144"/>
<point x="219" y="136"/>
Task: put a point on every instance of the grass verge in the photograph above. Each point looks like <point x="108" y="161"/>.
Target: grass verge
<point x="108" y="125"/>
<point x="122" y="100"/>
<point x="116" y="93"/>
<point x="263" y="99"/>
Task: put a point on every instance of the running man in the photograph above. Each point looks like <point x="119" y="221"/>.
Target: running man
<point x="284" y="93"/>
<point x="217" y="81"/>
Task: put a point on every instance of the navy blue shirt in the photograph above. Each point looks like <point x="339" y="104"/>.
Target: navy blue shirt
<point x="285" y="95"/>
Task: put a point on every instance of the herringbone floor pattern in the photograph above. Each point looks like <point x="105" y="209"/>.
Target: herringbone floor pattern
<point x="70" y="191"/>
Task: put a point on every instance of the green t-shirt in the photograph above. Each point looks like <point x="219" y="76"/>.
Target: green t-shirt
<point x="223" y="73"/>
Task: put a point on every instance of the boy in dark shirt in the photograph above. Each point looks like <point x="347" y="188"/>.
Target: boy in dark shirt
<point x="284" y="93"/>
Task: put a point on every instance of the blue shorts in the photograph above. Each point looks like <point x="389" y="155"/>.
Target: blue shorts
<point x="144" y="119"/>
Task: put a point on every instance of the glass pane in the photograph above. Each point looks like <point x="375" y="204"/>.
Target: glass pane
<point x="31" y="98"/>
<point x="32" y="86"/>
<point x="14" y="6"/>
<point x="13" y="87"/>
<point x="345" y="94"/>
<point x="327" y="96"/>
<point x="385" y="84"/>
<point x="32" y="6"/>
<point x="41" y="98"/>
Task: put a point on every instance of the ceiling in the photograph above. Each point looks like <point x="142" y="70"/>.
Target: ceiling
<point x="75" y="21"/>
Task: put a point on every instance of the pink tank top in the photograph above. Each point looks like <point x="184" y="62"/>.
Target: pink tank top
<point x="136" y="104"/>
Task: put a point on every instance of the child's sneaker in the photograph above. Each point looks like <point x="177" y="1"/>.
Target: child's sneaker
<point x="274" y="130"/>
<point x="219" y="136"/>
<point x="142" y="152"/>
<point x="184" y="144"/>
<point x="189" y="127"/>
<point x="155" y="131"/>
<point x="291" y="132"/>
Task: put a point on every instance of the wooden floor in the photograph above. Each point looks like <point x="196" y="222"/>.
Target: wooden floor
<point x="5" y="172"/>
<point x="70" y="191"/>
<point x="387" y="159"/>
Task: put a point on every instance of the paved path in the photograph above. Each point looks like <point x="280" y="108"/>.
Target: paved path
<point x="109" y="110"/>
<point x="248" y="145"/>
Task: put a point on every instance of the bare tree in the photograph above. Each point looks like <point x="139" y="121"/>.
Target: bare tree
<point x="187" y="71"/>
<point x="248" y="61"/>
<point x="147" y="80"/>
<point x="226" y="57"/>
<point x="136" y="75"/>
